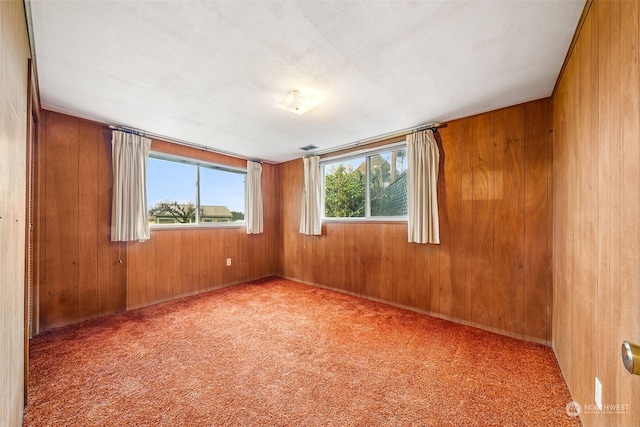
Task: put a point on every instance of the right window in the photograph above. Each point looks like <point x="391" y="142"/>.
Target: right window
<point x="367" y="185"/>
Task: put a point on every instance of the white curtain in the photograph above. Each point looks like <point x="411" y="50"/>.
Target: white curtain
<point x="254" y="198"/>
<point x="422" y="187"/>
<point x="311" y="197"/>
<point x="129" y="219"/>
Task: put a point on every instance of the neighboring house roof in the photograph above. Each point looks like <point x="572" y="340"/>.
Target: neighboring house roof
<point x="215" y="211"/>
<point x="376" y="162"/>
<point x="206" y="212"/>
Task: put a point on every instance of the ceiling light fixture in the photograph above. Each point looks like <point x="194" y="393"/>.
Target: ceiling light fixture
<point x="298" y="102"/>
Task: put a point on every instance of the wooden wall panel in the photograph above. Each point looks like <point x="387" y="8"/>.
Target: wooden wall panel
<point x="450" y="206"/>
<point x="87" y="220"/>
<point x="630" y="189"/>
<point x="188" y="246"/>
<point x="14" y="108"/>
<point x="422" y="275"/>
<point x="508" y="247"/>
<point x="137" y="273"/>
<point x="60" y="293"/>
<point x="386" y="248"/>
<point x="83" y="274"/>
<point x="476" y="275"/>
<point x="176" y="264"/>
<point x="467" y="133"/>
<point x="483" y="186"/>
<point x="103" y="213"/>
<point x="596" y="203"/>
<point x="398" y="243"/>
<point x="536" y="206"/>
<point x="314" y="248"/>
<point x="165" y="255"/>
<point x="203" y="258"/>
<point x="371" y="259"/>
<point x="218" y="265"/>
<point x="334" y="256"/>
<point x="410" y="260"/>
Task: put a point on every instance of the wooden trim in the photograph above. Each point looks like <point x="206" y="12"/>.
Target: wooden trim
<point x="576" y="35"/>
<point x="29" y="282"/>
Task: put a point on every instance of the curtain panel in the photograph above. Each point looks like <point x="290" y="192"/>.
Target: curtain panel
<point x="422" y="188"/>
<point x="254" y="218"/>
<point x="129" y="218"/>
<point x="310" y="223"/>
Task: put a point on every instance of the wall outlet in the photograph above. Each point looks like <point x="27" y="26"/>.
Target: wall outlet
<point x="228" y="262"/>
<point x="598" y="394"/>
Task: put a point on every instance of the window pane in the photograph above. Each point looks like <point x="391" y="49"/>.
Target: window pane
<point x="171" y="192"/>
<point x="388" y="183"/>
<point x="221" y="195"/>
<point x="344" y="188"/>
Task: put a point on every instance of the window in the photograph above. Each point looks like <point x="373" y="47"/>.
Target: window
<point x="367" y="185"/>
<point x="182" y="191"/>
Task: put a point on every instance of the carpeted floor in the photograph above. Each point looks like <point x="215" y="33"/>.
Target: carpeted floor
<point x="277" y="352"/>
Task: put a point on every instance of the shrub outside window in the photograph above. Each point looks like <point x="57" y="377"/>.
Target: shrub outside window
<point x="182" y="192"/>
<point x="367" y="185"/>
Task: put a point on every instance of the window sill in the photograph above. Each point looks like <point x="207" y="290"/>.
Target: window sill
<point x="372" y="220"/>
<point x="160" y="227"/>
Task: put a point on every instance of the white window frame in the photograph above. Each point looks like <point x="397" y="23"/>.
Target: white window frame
<point x="199" y="163"/>
<point x="366" y="153"/>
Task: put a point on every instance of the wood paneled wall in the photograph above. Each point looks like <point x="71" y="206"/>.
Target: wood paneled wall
<point x="596" y="205"/>
<point x="492" y="268"/>
<point x="84" y="275"/>
<point x="14" y="54"/>
<point x="80" y="274"/>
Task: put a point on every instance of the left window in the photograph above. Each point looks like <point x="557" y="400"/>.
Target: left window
<point x="182" y="192"/>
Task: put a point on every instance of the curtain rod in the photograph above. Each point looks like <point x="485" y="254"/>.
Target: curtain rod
<point x="180" y="142"/>
<point x="126" y="130"/>
<point x="407" y="131"/>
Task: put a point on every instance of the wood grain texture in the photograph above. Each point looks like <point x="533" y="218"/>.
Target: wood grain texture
<point x="508" y="247"/>
<point x="467" y="133"/>
<point x="398" y="243"/>
<point x="14" y="58"/>
<point x="104" y="244"/>
<point x="184" y="285"/>
<point x="371" y="259"/>
<point x="536" y="236"/>
<point x="476" y="275"/>
<point x="483" y="187"/>
<point x="630" y="190"/>
<point x="596" y="203"/>
<point x="165" y="253"/>
<point x="450" y="205"/>
<point x="84" y="275"/>
<point x="87" y="220"/>
<point x="612" y="98"/>
<point x="61" y="271"/>
<point x="386" y="248"/>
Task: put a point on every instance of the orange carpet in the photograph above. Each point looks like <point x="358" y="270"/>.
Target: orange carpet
<point x="280" y="353"/>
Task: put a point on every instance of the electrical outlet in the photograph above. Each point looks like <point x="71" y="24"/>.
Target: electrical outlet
<point x="598" y="394"/>
<point x="228" y="262"/>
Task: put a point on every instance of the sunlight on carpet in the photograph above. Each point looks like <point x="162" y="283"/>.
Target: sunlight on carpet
<point x="277" y="352"/>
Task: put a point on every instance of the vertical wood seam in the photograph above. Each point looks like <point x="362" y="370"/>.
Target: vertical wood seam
<point x="493" y="227"/>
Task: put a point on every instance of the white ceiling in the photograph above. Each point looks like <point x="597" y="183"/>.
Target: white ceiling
<point x="210" y="72"/>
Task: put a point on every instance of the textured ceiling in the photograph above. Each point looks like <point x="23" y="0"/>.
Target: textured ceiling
<point x="211" y="72"/>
